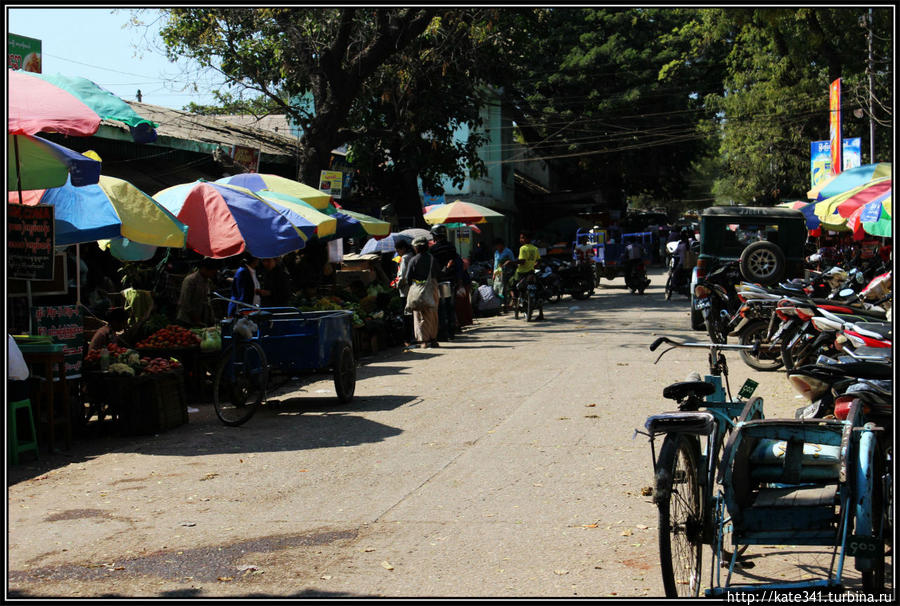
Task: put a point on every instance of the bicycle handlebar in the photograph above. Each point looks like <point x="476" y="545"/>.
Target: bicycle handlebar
<point x="662" y="340"/>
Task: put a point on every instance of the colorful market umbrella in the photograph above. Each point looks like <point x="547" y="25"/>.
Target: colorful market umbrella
<point x="105" y="104"/>
<point x="834" y="211"/>
<point x="36" y="163"/>
<point x="275" y="183"/>
<point x="849" y="179"/>
<point x="461" y="212"/>
<point x="873" y="218"/>
<point x="352" y="224"/>
<point x="326" y="225"/>
<point x="225" y="221"/>
<point x="109" y="209"/>
<point x="388" y="244"/>
<point x="35" y="106"/>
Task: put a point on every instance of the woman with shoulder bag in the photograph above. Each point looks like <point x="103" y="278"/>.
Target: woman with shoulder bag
<point x="422" y="298"/>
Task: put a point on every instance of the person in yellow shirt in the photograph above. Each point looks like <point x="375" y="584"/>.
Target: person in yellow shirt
<point x="529" y="255"/>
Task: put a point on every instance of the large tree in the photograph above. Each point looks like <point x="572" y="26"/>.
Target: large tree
<point x="586" y="86"/>
<point x="391" y="83"/>
<point x="774" y="101"/>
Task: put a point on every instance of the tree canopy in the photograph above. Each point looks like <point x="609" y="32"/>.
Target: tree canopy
<point x="673" y="105"/>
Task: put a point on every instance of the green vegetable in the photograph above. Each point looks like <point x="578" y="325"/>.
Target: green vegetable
<point x="121" y="369"/>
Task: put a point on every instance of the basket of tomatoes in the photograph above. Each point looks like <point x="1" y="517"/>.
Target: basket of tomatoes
<point x="170" y="337"/>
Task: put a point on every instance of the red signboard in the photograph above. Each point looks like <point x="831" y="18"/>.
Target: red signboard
<point x="835" y="126"/>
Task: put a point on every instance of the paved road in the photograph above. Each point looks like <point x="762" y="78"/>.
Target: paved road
<point x="502" y="464"/>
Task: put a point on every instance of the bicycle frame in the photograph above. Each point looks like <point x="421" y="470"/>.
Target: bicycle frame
<point x="727" y="414"/>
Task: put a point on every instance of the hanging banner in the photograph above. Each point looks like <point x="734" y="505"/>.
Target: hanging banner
<point x="29" y="243"/>
<point x="834" y="104"/>
<point x="66" y="323"/>
<point x="23" y="53"/>
<point x="820" y="158"/>
<point x="246" y="157"/>
<point x="331" y="182"/>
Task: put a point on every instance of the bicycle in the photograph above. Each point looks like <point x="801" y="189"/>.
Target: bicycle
<point x="686" y="466"/>
<point x="242" y="371"/>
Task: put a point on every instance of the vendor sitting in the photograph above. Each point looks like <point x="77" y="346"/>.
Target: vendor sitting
<point x="116" y="324"/>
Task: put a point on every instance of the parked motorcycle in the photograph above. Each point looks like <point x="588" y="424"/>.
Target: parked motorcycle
<point x="717" y="300"/>
<point x="679" y="279"/>
<point x="576" y="278"/>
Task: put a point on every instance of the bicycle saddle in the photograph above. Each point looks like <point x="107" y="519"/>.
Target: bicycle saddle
<point x="682" y="389"/>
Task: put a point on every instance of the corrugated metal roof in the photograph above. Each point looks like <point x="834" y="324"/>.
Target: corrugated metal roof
<point x="178" y="124"/>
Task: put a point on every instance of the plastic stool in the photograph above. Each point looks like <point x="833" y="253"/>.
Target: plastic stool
<point x="15" y="446"/>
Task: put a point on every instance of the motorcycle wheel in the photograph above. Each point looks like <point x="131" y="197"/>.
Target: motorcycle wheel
<point x="516" y="304"/>
<point x="669" y="288"/>
<point x="755" y="332"/>
<point x="529" y="308"/>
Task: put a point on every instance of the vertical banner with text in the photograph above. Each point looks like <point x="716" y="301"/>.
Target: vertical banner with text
<point x="834" y="103"/>
<point x="29" y="242"/>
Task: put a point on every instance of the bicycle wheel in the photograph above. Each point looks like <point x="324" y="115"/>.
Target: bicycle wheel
<point x="680" y="516"/>
<point x="240" y="382"/>
<point x="755" y="332"/>
<point x="871" y="503"/>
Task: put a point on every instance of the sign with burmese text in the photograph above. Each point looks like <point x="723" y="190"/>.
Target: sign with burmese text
<point x="23" y="53"/>
<point x="66" y="323"/>
<point x="30" y="239"/>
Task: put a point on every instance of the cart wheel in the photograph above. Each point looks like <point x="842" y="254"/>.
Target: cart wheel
<point x="344" y="373"/>
<point x="242" y="374"/>
<point x="870" y="511"/>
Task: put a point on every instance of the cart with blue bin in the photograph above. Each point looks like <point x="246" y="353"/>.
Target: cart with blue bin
<point x="263" y="345"/>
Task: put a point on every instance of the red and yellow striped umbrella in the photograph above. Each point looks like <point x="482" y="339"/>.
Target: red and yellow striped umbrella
<point x="461" y="212"/>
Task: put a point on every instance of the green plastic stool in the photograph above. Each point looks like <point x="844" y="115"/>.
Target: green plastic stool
<point x="15" y="446"/>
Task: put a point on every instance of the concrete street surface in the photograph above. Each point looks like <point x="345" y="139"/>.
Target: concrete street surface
<point x="502" y="464"/>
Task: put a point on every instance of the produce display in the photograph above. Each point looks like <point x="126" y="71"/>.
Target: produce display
<point x="365" y="307"/>
<point x="129" y="362"/>
<point x="170" y="337"/>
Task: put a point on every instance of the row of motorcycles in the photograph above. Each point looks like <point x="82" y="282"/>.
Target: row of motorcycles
<point x="832" y="334"/>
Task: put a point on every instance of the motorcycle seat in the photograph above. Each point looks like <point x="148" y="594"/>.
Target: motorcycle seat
<point x="682" y="389"/>
<point x="879" y="330"/>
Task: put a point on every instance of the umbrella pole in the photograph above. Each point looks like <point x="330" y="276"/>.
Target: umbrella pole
<point x="78" y="274"/>
<point x="18" y="169"/>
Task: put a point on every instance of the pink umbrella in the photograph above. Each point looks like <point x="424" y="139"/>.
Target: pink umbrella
<point x="36" y="105"/>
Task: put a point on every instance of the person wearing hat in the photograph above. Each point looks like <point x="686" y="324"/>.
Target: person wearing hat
<point x="422" y="268"/>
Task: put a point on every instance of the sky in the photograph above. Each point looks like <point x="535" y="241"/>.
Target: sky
<point x="92" y="43"/>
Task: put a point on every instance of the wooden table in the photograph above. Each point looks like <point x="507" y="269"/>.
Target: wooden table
<point x="45" y="390"/>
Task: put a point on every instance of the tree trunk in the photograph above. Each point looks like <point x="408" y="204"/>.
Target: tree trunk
<point x="408" y="203"/>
